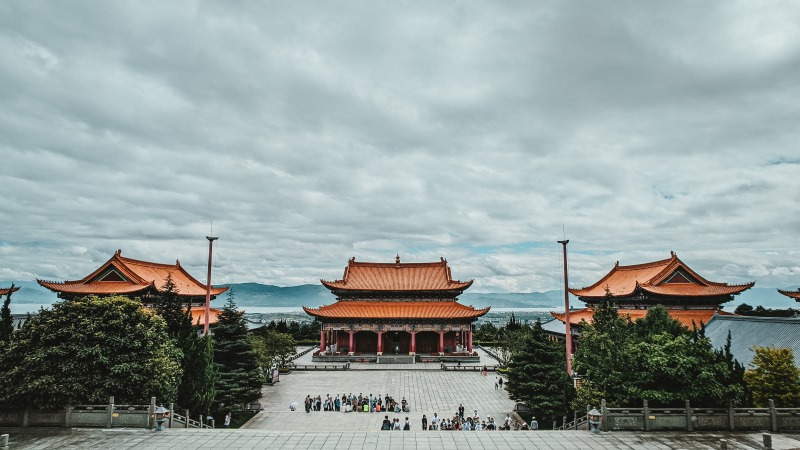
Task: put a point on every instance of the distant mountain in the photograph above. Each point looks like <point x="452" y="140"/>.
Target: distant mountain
<point x="30" y="292"/>
<point x="256" y="294"/>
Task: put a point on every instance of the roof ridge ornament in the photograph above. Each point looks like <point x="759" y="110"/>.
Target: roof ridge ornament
<point x="397" y="259"/>
<point x="118" y="252"/>
<point x="672" y="253"/>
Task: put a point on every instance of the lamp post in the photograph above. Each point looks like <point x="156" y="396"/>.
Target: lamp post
<point x="211" y="240"/>
<point x="568" y="331"/>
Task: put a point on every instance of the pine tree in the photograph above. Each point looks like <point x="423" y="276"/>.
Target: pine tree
<point x="603" y="357"/>
<point x="6" y="322"/>
<point x="240" y="378"/>
<point x="538" y="377"/>
<point x="196" y="389"/>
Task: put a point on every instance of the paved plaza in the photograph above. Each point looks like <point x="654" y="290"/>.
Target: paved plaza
<point x="41" y="439"/>
<point x="427" y="388"/>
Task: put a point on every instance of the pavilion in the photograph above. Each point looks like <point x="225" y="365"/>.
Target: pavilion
<point x="142" y="280"/>
<point x="688" y="297"/>
<point x="405" y="308"/>
<point x="5" y="291"/>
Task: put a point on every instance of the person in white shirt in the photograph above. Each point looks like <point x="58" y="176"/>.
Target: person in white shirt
<point x="435" y="422"/>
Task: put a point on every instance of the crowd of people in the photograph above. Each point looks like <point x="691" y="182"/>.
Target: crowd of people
<point x="473" y="422"/>
<point x="354" y="403"/>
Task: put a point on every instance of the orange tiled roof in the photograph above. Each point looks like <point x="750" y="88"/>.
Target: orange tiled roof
<point x="396" y="310"/>
<point x="367" y="276"/>
<point x="120" y="275"/>
<point x="668" y="277"/>
<point x="199" y="313"/>
<point x="5" y="291"/>
<point x="685" y="316"/>
<point x="793" y="294"/>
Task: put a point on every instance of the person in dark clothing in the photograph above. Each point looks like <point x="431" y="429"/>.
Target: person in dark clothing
<point x="424" y="423"/>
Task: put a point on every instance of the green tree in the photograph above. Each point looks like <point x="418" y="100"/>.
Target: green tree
<point x="6" y="322"/>
<point x="602" y="356"/>
<point x="196" y="391"/>
<point x="658" y="321"/>
<point x="538" y="377"/>
<point x="774" y="376"/>
<point x="240" y="378"/>
<point x="486" y="332"/>
<point x="272" y="349"/>
<point x="87" y="349"/>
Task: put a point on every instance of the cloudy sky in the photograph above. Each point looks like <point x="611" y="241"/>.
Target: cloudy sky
<point x="311" y="132"/>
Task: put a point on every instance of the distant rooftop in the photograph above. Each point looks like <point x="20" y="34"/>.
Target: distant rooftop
<point x="748" y="332"/>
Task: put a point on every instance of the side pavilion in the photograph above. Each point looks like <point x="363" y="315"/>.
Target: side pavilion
<point x="405" y="308"/>
<point x="141" y="280"/>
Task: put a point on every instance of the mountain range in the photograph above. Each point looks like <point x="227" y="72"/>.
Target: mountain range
<point x="260" y="295"/>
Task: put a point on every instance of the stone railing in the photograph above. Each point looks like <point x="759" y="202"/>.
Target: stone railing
<point x="691" y="418"/>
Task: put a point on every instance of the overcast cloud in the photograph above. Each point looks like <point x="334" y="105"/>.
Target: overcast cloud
<point x="310" y="132"/>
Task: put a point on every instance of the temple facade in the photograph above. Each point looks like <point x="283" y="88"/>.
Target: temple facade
<point x="134" y="279"/>
<point x="689" y="298"/>
<point x="396" y="308"/>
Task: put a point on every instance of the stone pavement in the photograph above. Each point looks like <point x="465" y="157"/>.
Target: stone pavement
<point x="426" y="387"/>
<point x="370" y="440"/>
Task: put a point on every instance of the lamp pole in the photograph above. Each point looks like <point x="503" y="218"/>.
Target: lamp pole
<point x="566" y="309"/>
<point x="211" y="240"/>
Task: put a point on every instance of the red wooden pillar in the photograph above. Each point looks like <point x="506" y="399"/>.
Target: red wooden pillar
<point x="469" y="340"/>
<point x="413" y="342"/>
<point x="441" y="342"/>
<point x="350" y="347"/>
<point x="380" y="342"/>
<point x="322" y="340"/>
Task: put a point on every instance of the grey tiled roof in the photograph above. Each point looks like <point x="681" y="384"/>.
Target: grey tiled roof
<point x="555" y="326"/>
<point x="748" y="332"/>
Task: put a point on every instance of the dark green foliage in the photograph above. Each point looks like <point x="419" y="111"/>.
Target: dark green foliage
<point x="196" y="391"/>
<point x="169" y="306"/>
<point x="6" y="323"/>
<point x="513" y="324"/>
<point x="240" y="378"/>
<point x="655" y="359"/>
<point x="538" y="377"/>
<point x="486" y="332"/>
<point x="774" y="376"/>
<point x="602" y="357"/>
<point x="87" y="349"/>
<point x="746" y="310"/>
<point x="306" y="331"/>
<point x="273" y="349"/>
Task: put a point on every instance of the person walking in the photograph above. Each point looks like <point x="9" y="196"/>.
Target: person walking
<point x="496" y="384"/>
<point x="228" y="420"/>
<point x="424" y="423"/>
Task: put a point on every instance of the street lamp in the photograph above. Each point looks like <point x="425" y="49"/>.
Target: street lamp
<point x="594" y="420"/>
<point x="160" y="414"/>
<point x="568" y="331"/>
<point x="211" y="240"/>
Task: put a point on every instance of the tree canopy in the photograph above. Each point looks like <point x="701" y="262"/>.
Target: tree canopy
<point x="774" y="376"/>
<point x="538" y="376"/>
<point x="196" y="389"/>
<point x="655" y="358"/>
<point x="87" y="349"/>
<point x="240" y="378"/>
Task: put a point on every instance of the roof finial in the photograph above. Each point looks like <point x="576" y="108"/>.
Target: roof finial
<point x="672" y="253"/>
<point x="118" y="252"/>
<point x="178" y="262"/>
<point x="397" y="259"/>
<point x="616" y="264"/>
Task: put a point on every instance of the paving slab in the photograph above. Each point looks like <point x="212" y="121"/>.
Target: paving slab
<point x="87" y="438"/>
